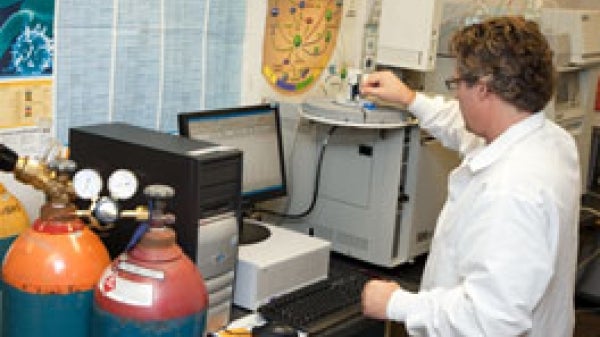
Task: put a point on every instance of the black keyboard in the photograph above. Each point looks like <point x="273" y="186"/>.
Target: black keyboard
<point x="320" y="305"/>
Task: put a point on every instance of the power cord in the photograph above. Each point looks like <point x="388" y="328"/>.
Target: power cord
<point x="316" y="184"/>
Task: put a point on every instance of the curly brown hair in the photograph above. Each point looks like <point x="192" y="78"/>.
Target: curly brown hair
<point x="514" y="54"/>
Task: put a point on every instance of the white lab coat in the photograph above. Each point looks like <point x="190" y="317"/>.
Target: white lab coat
<point x="503" y="257"/>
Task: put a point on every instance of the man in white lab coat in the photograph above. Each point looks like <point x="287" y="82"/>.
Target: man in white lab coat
<point x="503" y="257"/>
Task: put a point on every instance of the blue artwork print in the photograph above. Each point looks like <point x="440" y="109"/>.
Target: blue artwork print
<point x="26" y="37"/>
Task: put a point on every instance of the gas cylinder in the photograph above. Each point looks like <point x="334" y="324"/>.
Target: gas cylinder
<point x="13" y="220"/>
<point x="51" y="269"/>
<point x="50" y="272"/>
<point x="153" y="289"/>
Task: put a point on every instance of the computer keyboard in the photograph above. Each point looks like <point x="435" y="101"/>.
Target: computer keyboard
<point x="320" y="305"/>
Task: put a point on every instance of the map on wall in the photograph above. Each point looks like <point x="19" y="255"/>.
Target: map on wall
<point x="299" y="40"/>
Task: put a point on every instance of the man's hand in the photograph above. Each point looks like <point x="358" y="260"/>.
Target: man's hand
<point x="375" y="297"/>
<point x="386" y="86"/>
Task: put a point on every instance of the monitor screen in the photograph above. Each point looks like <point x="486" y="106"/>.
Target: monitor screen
<point x="256" y="131"/>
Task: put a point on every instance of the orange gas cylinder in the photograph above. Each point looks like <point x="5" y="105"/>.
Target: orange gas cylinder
<point x="153" y="290"/>
<point x="50" y="272"/>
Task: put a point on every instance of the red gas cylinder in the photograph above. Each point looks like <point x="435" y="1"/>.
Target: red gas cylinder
<point x="152" y="290"/>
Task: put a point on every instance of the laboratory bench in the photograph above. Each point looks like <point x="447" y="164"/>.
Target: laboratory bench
<point x="408" y="276"/>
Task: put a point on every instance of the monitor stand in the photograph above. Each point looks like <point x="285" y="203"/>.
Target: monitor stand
<point x="253" y="232"/>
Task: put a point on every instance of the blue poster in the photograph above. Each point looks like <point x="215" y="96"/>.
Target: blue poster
<point x="26" y="37"/>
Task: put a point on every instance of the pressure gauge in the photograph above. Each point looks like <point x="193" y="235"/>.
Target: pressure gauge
<point x="122" y="184"/>
<point x="87" y="184"/>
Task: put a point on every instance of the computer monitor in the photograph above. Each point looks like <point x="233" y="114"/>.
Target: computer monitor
<point x="256" y="131"/>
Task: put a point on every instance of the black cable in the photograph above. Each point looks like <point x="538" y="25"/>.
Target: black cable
<point x="316" y="184"/>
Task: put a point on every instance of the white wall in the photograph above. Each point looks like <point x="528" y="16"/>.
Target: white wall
<point x="588" y="4"/>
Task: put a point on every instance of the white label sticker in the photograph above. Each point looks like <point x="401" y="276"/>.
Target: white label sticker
<point x="141" y="271"/>
<point x="125" y="291"/>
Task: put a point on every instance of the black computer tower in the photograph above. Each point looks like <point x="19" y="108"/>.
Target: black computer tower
<point x="206" y="177"/>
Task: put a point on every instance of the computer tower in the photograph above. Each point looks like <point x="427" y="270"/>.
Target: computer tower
<point x="207" y="182"/>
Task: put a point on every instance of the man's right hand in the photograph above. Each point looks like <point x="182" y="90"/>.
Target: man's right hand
<point x="375" y="297"/>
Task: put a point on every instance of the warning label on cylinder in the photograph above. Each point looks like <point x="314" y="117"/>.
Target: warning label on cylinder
<point x="125" y="291"/>
<point x="141" y="271"/>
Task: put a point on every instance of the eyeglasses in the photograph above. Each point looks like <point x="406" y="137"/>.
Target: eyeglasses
<point x="452" y="82"/>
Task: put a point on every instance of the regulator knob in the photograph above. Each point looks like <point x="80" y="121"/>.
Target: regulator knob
<point x="158" y="196"/>
<point x="63" y="165"/>
<point x="159" y="192"/>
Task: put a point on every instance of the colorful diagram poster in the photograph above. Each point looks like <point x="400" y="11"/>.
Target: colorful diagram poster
<point x="300" y="37"/>
<point x="26" y="51"/>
